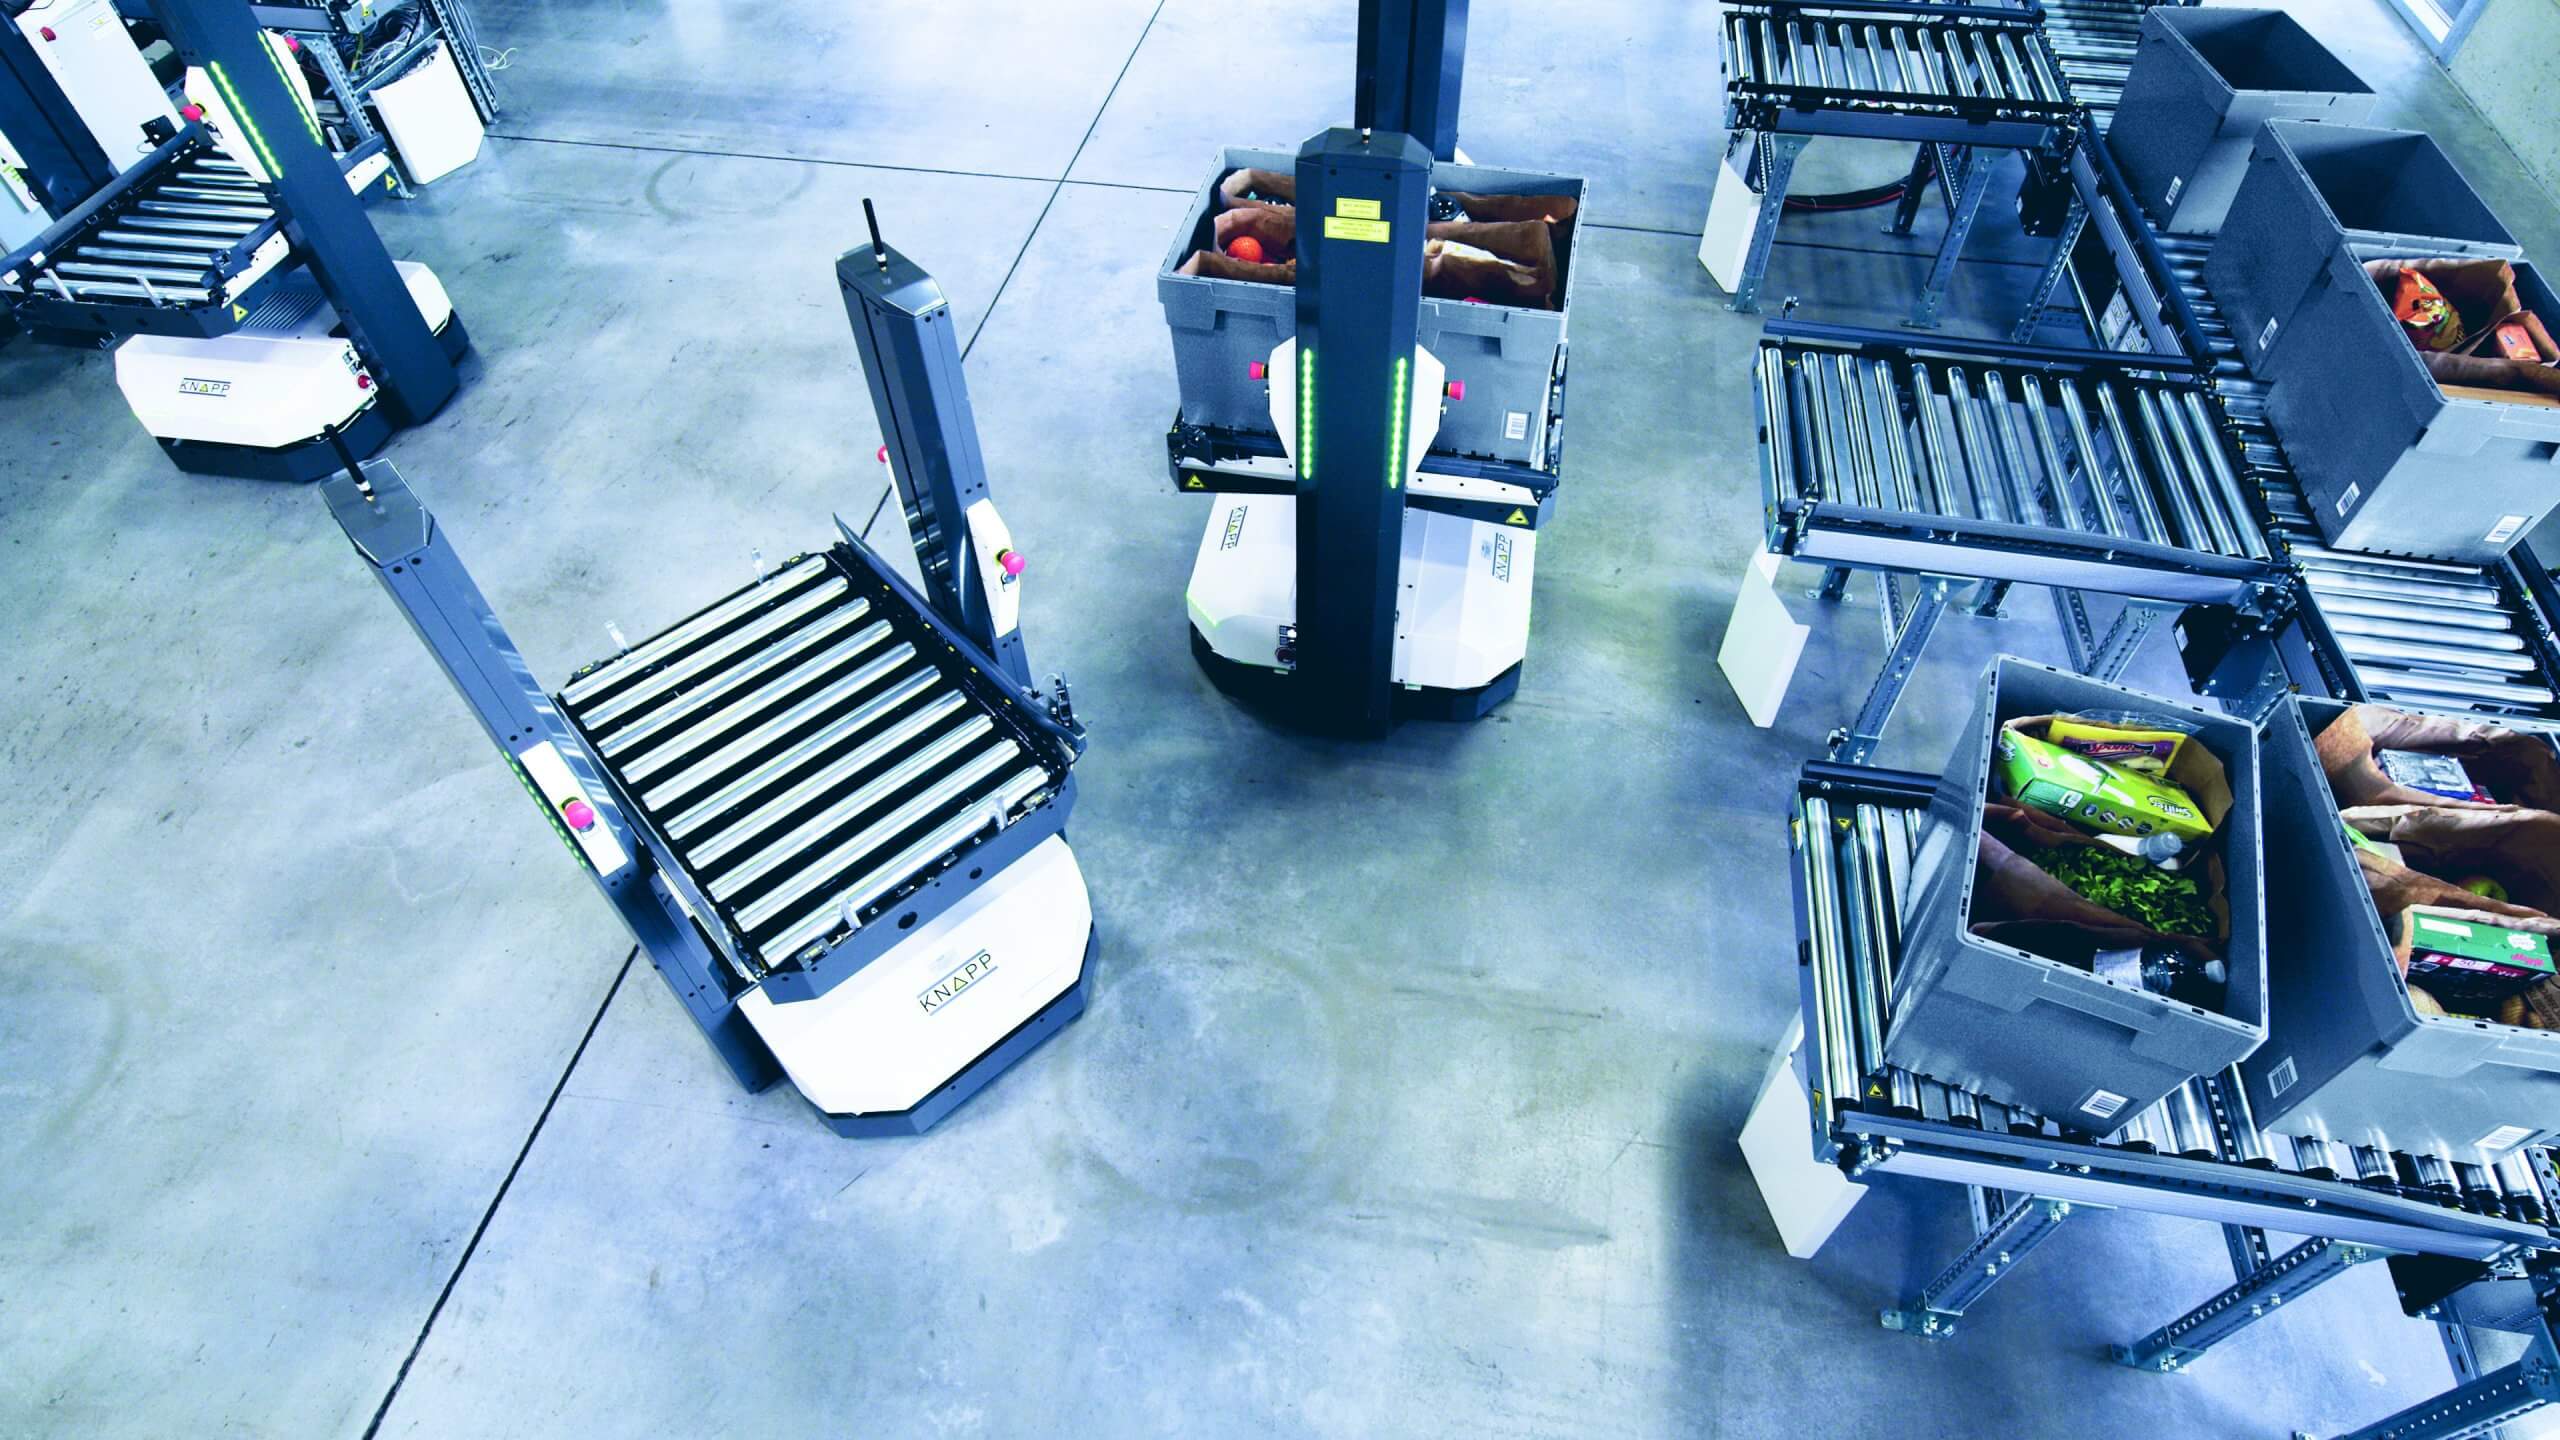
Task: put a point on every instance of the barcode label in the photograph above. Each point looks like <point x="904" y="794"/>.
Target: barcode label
<point x="2347" y="500"/>
<point x="2175" y="186"/>
<point x="1515" y="425"/>
<point x="2281" y="1078"/>
<point x="2505" y="1137"/>
<point x="2504" y="531"/>
<point x="2104" y="1104"/>
<point x="2267" y="333"/>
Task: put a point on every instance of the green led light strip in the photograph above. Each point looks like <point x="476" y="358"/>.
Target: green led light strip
<point x="1306" y="414"/>
<point x="558" y="826"/>
<point x="310" y="121"/>
<point x="240" y="112"/>
<point x="1395" y="425"/>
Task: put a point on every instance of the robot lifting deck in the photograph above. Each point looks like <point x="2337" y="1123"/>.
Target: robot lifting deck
<point x="830" y="806"/>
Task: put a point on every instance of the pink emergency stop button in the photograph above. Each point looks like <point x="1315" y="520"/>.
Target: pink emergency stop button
<point x="1457" y="389"/>
<point x="580" y="815"/>
<point x="1010" y="561"/>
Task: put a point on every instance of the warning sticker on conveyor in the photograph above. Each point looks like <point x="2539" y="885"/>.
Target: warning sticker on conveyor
<point x="1352" y="208"/>
<point x="1337" y="227"/>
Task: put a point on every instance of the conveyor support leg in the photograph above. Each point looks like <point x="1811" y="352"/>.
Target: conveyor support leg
<point x="2033" y="316"/>
<point x="1965" y="187"/>
<point x="2481" y="1406"/>
<point x="1914" y="186"/>
<point x="1853" y="745"/>
<point x="1999" y="1243"/>
<point x="2250" y="1298"/>
<point x="1777" y="166"/>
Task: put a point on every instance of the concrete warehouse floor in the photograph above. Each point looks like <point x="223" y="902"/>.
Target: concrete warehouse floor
<point x="332" y="1103"/>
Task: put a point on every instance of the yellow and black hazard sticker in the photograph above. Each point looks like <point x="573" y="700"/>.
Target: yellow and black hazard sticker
<point x="1194" y="482"/>
<point x="239" y="312"/>
<point x="1516" y="517"/>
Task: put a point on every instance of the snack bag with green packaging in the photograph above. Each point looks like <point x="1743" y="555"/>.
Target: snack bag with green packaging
<point x="2091" y="793"/>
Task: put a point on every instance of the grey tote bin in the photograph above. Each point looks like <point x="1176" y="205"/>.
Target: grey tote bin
<point x="2313" y="190"/>
<point x="2389" y="460"/>
<point x="2348" y="1057"/>
<point x="2081" y="1050"/>
<point x="2202" y="81"/>
<point x="1505" y="355"/>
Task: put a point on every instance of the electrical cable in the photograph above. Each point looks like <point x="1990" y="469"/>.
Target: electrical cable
<point x="1867" y="199"/>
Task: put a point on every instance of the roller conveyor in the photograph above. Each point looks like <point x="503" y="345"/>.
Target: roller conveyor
<point x="1962" y="74"/>
<point x="811" y="753"/>
<point x="2002" y="463"/>
<point x="183" y="244"/>
<point x="2195" y="1154"/>
<point x="2094" y="43"/>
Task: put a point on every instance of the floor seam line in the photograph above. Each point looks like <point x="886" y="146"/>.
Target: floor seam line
<point x="1038" y="220"/>
<point x="767" y="155"/>
<point x="472" y="1248"/>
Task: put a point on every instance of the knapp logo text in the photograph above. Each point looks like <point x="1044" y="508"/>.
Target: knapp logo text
<point x="947" y="989"/>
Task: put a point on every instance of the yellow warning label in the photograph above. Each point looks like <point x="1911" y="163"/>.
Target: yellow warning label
<point x="1193" y="482"/>
<point x="239" y="312"/>
<point x="390" y="181"/>
<point x="1337" y="227"/>
<point x="1351" y="209"/>
<point x="1516" y="517"/>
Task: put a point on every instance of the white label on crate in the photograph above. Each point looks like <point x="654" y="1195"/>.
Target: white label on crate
<point x="2267" y="333"/>
<point x="2175" y="186"/>
<point x="2104" y="1104"/>
<point x="1515" y="424"/>
<point x="2281" y="1078"/>
<point x="2347" y="500"/>
<point x="2504" y="531"/>
<point x="2505" y="1137"/>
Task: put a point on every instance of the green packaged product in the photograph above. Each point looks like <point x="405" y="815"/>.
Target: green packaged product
<point x="2093" y="793"/>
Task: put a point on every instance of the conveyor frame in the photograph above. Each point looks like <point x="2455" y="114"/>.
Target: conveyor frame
<point x="1771" y="109"/>
<point x="2197" y="1156"/>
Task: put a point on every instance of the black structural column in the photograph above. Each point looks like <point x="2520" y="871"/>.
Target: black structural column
<point x="911" y="357"/>
<point x="325" y="220"/>
<point x="65" y="164"/>
<point x="1362" y="198"/>
<point x="1413" y="54"/>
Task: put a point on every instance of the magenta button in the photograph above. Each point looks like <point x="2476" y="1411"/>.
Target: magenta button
<point x="580" y="815"/>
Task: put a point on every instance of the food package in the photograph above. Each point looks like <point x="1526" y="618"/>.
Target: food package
<point x="2494" y="326"/>
<point x="2468" y="961"/>
<point x="1507" y="250"/>
<point x="2429" y="774"/>
<point x="2425" y="316"/>
<point x="2143" y="746"/>
<point x="2094" y="793"/>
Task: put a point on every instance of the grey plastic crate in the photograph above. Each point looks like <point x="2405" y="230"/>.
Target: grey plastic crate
<point x="2081" y="1050"/>
<point x="2202" y="81"/>
<point x="2348" y="1057"/>
<point x="2314" y="189"/>
<point x="1506" y="355"/>
<point x="2388" y="461"/>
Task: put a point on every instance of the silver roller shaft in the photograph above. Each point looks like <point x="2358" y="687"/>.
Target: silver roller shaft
<point x="760" y="740"/>
<point x="2372" y="647"/>
<point x="705" y="814"/>
<point x="1831" y="1039"/>
<point x="1940" y="486"/>
<point x="968" y="740"/>
<point x="890" y="873"/>
<point x="2076" y="418"/>
<point x="2013" y="457"/>
<point x="1897" y="453"/>
<point x="2479" y="626"/>
<point x="2130" y="461"/>
<point x="2190" y="1122"/>
<point x="1977" y="450"/>
<point x="627" y="665"/>
<point x="756" y="633"/>
<point x="1860" y="448"/>
<point x="2349" y="622"/>
<point x="820" y="873"/>
<point x="1774" y="422"/>
<point x="2208" y="444"/>
<point x="2057" y="475"/>
<point x="2429" y="688"/>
